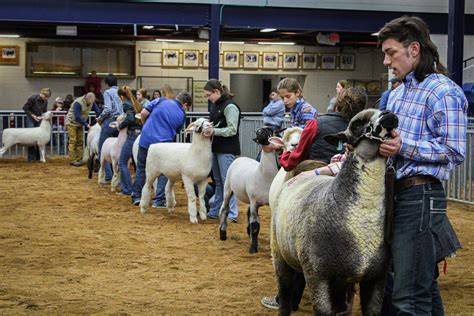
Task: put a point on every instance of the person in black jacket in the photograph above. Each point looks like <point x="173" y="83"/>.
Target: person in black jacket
<point x="225" y="115"/>
<point x="34" y="108"/>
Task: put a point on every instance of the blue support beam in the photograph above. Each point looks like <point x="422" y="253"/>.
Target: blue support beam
<point x="214" y="43"/>
<point x="456" y="40"/>
<point x="68" y="11"/>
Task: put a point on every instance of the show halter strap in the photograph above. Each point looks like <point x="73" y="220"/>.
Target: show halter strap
<point x="389" y="202"/>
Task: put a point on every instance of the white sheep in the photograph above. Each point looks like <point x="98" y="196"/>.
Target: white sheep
<point x="110" y="152"/>
<point x="92" y="147"/>
<point x="191" y="162"/>
<point x="29" y="136"/>
<point x="291" y="137"/>
<point x="331" y="229"/>
<point x="250" y="181"/>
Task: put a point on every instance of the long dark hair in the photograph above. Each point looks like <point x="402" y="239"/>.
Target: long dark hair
<point x="409" y="29"/>
<point x="216" y="84"/>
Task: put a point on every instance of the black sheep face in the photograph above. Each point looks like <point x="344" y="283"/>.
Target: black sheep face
<point x="262" y="136"/>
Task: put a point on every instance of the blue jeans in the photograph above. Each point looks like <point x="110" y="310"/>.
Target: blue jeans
<point x="220" y="164"/>
<point x="422" y="236"/>
<point x="106" y="132"/>
<point x="125" y="155"/>
<point x="140" y="177"/>
<point x="33" y="151"/>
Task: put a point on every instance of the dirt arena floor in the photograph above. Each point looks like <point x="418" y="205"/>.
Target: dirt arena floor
<point x="68" y="246"/>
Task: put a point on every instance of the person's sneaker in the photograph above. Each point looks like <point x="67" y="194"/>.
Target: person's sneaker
<point x="159" y="204"/>
<point x="212" y="216"/>
<point x="77" y="163"/>
<point x="270" y="302"/>
<point x="135" y="201"/>
<point x="233" y="220"/>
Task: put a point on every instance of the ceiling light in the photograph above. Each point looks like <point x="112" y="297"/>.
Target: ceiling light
<point x="375" y="34"/>
<point x="276" y="43"/>
<point x="66" y="30"/>
<point x="173" y="40"/>
<point x="148" y="27"/>
<point x="9" y="35"/>
<point x="229" y="42"/>
<point x="267" y="30"/>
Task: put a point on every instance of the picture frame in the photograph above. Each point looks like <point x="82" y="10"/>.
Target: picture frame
<point x="347" y="61"/>
<point x="328" y="61"/>
<point x="251" y="60"/>
<point x="190" y="58"/>
<point x="231" y="59"/>
<point x="270" y="60"/>
<point x="9" y="55"/>
<point x="290" y="60"/>
<point x="170" y="58"/>
<point x="150" y="58"/>
<point x="205" y="58"/>
<point x="310" y="61"/>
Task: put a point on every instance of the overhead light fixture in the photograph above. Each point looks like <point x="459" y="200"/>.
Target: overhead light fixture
<point x="10" y="35"/>
<point x="174" y="40"/>
<point x="203" y="33"/>
<point x="230" y="42"/>
<point x="267" y="30"/>
<point x="375" y="34"/>
<point x="148" y="27"/>
<point x="276" y="43"/>
<point x="66" y="30"/>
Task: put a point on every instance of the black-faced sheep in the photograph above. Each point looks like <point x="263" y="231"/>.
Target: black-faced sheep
<point x="332" y="229"/>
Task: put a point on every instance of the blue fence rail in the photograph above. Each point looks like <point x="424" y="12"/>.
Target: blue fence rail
<point x="459" y="187"/>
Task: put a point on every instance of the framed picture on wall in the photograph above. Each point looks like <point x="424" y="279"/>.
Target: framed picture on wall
<point x="347" y="62"/>
<point x="328" y="61"/>
<point x="251" y="60"/>
<point x="9" y="55"/>
<point x="150" y="58"/>
<point x="190" y="58"/>
<point x="290" y="60"/>
<point x="170" y="58"/>
<point x="231" y="59"/>
<point x="270" y="60"/>
<point x="205" y="58"/>
<point x="310" y="61"/>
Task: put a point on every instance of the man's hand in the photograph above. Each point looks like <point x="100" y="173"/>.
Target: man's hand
<point x="36" y="118"/>
<point x="391" y="147"/>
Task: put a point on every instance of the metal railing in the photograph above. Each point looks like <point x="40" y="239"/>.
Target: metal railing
<point x="459" y="187"/>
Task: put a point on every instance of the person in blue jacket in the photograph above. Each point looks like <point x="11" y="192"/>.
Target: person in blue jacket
<point x="384" y="98"/>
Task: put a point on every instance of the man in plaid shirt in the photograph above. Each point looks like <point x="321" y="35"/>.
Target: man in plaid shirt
<point x="430" y="141"/>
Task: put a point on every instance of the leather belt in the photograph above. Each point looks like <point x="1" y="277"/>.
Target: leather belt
<point x="406" y="183"/>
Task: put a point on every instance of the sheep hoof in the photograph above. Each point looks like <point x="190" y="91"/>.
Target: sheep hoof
<point x="253" y="249"/>
<point x="223" y="234"/>
<point x="193" y="219"/>
<point x="142" y="209"/>
<point x="203" y="216"/>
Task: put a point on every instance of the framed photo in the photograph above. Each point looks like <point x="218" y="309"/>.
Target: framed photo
<point x="10" y="55"/>
<point x="328" y="61"/>
<point x="347" y="62"/>
<point x="251" y="60"/>
<point x="150" y="58"/>
<point x="231" y="59"/>
<point x="170" y="58"/>
<point x="190" y="58"/>
<point x="270" y="60"/>
<point x="310" y="61"/>
<point x="205" y="58"/>
<point x="290" y="60"/>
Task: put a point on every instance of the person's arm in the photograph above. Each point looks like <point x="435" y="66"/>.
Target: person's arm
<point x="290" y="159"/>
<point x="77" y="114"/>
<point x="448" y="121"/>
<point x="96" y="109"/>
<point x="107" y="106"/>
<point x="273" y="108"/>
<point x="29" y="106"/>
<point x="144" y="115"/>
<point x="231" y="113"/>
<point x="129" y="119"/>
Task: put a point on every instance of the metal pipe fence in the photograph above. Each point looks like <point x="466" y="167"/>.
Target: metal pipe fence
<point x="458" y="188"/>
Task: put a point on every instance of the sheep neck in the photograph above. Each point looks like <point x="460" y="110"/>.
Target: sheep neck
<point x="122" y="137"/>
<point x="268" y="165"/>
<point x="199" y="143"/>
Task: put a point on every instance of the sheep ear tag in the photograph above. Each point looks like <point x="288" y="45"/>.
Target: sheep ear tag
<point x="339" y="145"/>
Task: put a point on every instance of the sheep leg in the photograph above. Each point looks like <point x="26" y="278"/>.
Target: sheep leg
<point x="146" y="192"/>
<point x="254" y="227"/>
<point x="224" y="211"/>
<point x="202" y="204"/>
<point x="320" y="296"/>
<point x="170" y="196"/>
<point x="371" y="294"/>
<point x="90" y="165"/>
<point x="101" y="175"/>
<point x="189" y="187"/>
<point x="285" y="277"/>
<point x="42" y="150"/>
<point x="116" y="177"/>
